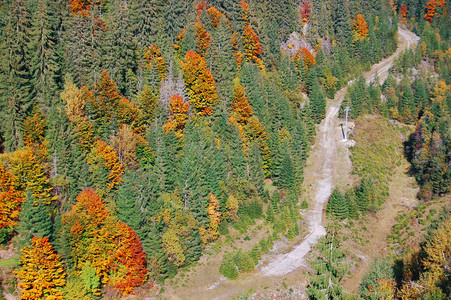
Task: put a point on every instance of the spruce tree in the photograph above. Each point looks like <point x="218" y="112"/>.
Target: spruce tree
<point x="44" y="67"/>
<point x="118" y="54"/>
<point x="146" y="20"/>
<point x="317" y="102"/>
<point x="15" y="86"/>
<point x="35" y="220"/>
<point x="287" y="173"/>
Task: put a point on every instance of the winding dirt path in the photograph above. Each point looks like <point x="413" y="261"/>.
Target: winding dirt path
<point x="321" y="167"/>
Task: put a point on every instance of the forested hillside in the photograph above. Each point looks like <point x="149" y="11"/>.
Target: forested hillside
<point x="136" y="133"/>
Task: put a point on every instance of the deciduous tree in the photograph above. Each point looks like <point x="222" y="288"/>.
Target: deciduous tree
<point x="431" y="8"/>
<point x="199" y="82"/>
<point x="179" y="115"/>
<point x="155" y="59"/>
<point x="360" y="28"/>
<point x="11" y="199"/>
<point x="203" y="39"/>
<point x="252" y="47"/>
<point x="103" y="156"/>
<point x="41" y="272"/>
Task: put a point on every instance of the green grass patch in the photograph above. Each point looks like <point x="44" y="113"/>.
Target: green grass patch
<point x="10" y="262"/>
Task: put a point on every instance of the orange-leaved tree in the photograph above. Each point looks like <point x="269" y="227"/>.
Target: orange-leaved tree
<point x="11" y="199"/>
<point x="241" y="108"/>
<point x="252" y="47"/>
<point x="98" y="240"/>
<point x="215" y="16"/>
<point x="431" y="8"/>
<point x="105" y="97"/>
<point x="155" y="59"/>
<point x="179" y="115"/>
<point x="41" y="272"/>
<point x="89" y="232"/>
<point x="307" y="58"/>
<point x="203" y="39"/>
<point x="128" y="267"/>
<point x="80" y="6"/>
<point x="360" y="28"/>
<point x="199" y="82"/>
<point x="201" y="7"/>
<point x="404" y="11"/>
<point x="130" y="114"/>
<point x="236" y="50"/>
<point x="393" y="6"/>
<point x="103" y="156"/>
<point x="245" y="8"/>
<point x="250" y="128"/>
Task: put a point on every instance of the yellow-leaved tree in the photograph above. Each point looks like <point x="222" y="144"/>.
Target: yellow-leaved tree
<point x="41" y="272"/>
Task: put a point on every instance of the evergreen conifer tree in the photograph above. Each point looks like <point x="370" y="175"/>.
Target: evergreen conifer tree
<point x="35" y="220"/>
<point x="44" y="67"/>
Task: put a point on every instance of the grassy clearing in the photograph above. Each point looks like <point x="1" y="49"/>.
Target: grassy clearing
<point x="378" y="151"/>
<point x="9" y="263"/>
<point x="378" y="154"/>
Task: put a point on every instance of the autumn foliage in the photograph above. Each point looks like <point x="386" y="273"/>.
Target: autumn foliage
<point x="98" y="240"/>
<point x="404" y="11"/>
<point x="128" y="267"/>
<point x="11" y="199"/>
<point x="305" y="9"/>
<point x="236" y="50"/>
<point x="203" y="39"/>
<point x="29" y="171"/>
<point x="250" y="128"/>
<point x="34" y="128"/>
<point x="245" y="9"/>
<point x="199" y="82"/>
<point x="252" y="47"/>
<point x="41" y="272"/>
<point x="360" y="28"/>
<point x="80" y="6"/>
<point x="103" y="155"/>
<point x="241" y="109"/>
<point x="213" y="210"/>
<point x="105" y="97"/>
<point x="431" y="7"/>
<point x="425" y="272"/>
<point x="179" y="115"/>
<point x="154" y="58"/>
<point x="307" y="58"/>
<point x="215" y="16"/>
<point x="179" y="41"/>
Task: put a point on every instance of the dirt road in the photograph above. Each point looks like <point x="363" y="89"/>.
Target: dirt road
<point x="321" y="167"/>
